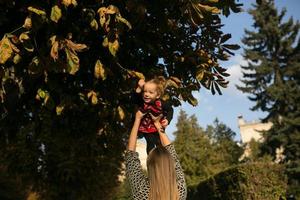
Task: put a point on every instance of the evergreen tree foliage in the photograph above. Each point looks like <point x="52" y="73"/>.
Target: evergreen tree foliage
<point x="193" y="149"/>
<point x="272" y="79"/>
<point x="67" y="68"/>
<point x="204" y="153"/>
<point x="227" y="150"/>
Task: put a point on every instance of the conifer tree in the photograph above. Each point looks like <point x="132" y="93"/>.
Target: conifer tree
<point x="204" y="153"/>
<point x="193" y="148"/>
<point x="227" y="150"/>
<point x="272" y="79"/>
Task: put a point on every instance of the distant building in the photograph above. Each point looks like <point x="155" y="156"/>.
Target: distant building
<point x="252" y="130"/>
<point x="249" y="131"/>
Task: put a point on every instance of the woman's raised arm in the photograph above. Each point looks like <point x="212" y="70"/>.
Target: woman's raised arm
<point x="134" y="131"/>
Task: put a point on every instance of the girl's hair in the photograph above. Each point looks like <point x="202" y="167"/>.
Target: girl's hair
<point x="162" y="175"/>
<point x="160" y="81"/>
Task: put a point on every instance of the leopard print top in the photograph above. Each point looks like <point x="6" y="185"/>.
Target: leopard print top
<point x="139" y="182"/>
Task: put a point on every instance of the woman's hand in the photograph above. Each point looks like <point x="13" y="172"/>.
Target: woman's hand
<point x="162" y="134"/>
<point x="164" y="123"/>
<point x="156" y="120"/>
<point x="139" y="115"/>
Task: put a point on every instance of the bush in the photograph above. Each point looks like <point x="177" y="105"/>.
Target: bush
<point x="256" y="181"/>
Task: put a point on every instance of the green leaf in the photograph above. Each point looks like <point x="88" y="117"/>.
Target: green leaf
<point x="231" y="46"/>
<point x="6" y="52"/>
<point x="217" y="88"/>
<point x="37" y="11"/>
<point x="17" y="59"/>
<point x="72" y="61"/>
<point x="41" y="93"/>
<point x="23" y="36"/>
<point x="212" y="88"/>
<point x="225" y="37"/>
<point x="105" y="42"/>
<point x="69" y="2"/>
<point x="55" y="13"/>
<point x="208" y="8"/>
<point x="200" y="74"/>
<point x="172" y="83"/>
<point x="136" y="74"/>
<point x="119" y="18"/>
<point x="113" y="47"/>
<point x="94" y="24"/>
<point x="121" y="113"/>
<point x="192" y="100"/>
<point x="99" y="70"/>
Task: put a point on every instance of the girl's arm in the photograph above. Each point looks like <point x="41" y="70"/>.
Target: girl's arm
<point x="134" y="131"/>
<point x="168" y="111"/>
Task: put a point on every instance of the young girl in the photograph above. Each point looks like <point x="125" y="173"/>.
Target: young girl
<point x="150" y="102"/>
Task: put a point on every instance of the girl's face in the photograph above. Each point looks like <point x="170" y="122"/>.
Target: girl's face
<point x="150" y="92"/>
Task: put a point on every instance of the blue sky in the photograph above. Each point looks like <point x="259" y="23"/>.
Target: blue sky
<point x="232" y="103"/>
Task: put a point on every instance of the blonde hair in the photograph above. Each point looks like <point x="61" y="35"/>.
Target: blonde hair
<point x="160" y="81"/>
<point x="162" y="175"/>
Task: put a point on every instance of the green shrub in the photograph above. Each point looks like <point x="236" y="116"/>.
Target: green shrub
<point x="255" y="181"/>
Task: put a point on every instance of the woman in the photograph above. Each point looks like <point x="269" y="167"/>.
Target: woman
<point x="165" y="179"/>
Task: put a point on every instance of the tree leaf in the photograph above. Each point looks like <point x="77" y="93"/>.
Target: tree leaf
<point x="225" y="37"/>
<point x="7" y="49"/>
<point x="37" y="11"/>
<point x="200" y="74"/>
<point x="41" y="93"/>
<point x="72" y="61"/>
<point x="59" y="109"/>
<point x="119" y="18"/>
<point x="105" y="42"/>
<point x="192" y="100"/>
<point x="94" y="24"/>
<point x="27" y="23"/>
<point x="102" y="11"/>
<point x="54" y="50"/>
<point x="53" y="39"/>
<point x="75" y="46"/>
<point x="113" y="47"/>
<point x="172" y="83"/>
<point x="17" y="59"/>
<point x="111" y="9"/>
<point x="69" y="2"/>
<point x="93" y="97"/>
<point x="121" y="112"/>
<point x="177" y="80"/>
<point x="231" y="46"/>
<point x="217" y="88"/>
<point x="136" y="74"/>
<point x="55" y="13"/>
<point x="99" y="70"/>
<point x="23" y="36"/>
<point x="212" y="88"/>
<point x="208" y="8"/>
